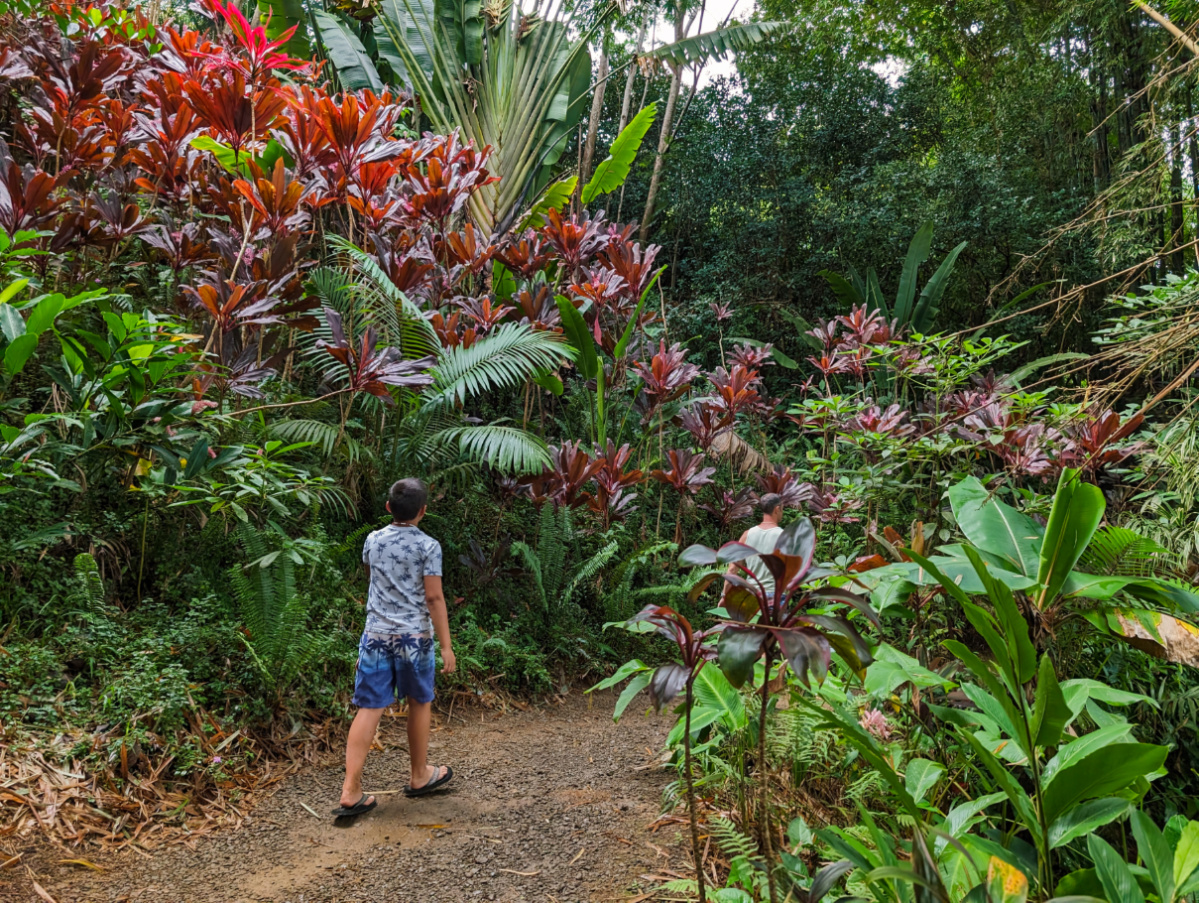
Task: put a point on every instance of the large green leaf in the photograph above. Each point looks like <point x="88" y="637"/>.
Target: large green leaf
<point x="556" y="196"/>
<point x="614" y="169"/>
<point x="846" y="291"/>
<point x="927" y="307"/>
<point x="639" y="682"/>
<point x="579" y="336"/>
<point x="395" y="24"/>
<point x="354" y="68"/>
<point x="1186" y="858"/>
<point x="713" y="691"/>
<point x="1156" y="854"/>
<point x="1120" y="732"/>
<point x="994" y="527"/>
<point x="281" y="15"/>
<point x="563" y="113"/>
<point x="920" y="776"/>
<point x="1100" y="773"/>
<point x="1117" y="879"/>
<point x="1050" y="712"/>
<point x="17" y="354"/>
<point x="1075" y="516"/>
<point x="1079" y="821"/>
<point x="918" y="250"/>
<point x="717" y="42"/>
<point x="737" y="650"/>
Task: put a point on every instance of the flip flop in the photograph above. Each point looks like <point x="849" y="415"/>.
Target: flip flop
<point x="359" y="808"/>
<point x="433" y="785"/>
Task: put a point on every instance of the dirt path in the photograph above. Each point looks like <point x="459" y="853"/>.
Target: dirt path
<point x="547" y="805"/>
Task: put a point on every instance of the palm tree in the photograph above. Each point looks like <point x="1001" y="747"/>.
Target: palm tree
<point x="514" y="79"/>
<point x="431" y="432"/>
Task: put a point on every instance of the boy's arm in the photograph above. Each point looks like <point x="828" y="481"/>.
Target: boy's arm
<point x="441" y="622"/>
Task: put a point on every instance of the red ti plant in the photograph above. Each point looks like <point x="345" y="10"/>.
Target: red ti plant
<point x="367" y="369"/>
<point x="792" y="622"/>
<point x="781" y="482"/>
<point x="703" y="423"/>
<point x="613" y="500"/>
<point x="686" y="476"/>
<point x="665" y="685"/>
<point x="572" y="469"/>
<point x="1094" y="441"/>
<point x="666" y="376"/>
<point x="730" y="506"/>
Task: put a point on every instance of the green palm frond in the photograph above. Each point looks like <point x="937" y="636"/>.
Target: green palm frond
<point x="505" y="358"/>
<point x="718" y="42"/>
<point x="1120" y="552"/>
<point x="399" y="321"/>
<point x="505" y="448"/>
<point x="322" y="435"/>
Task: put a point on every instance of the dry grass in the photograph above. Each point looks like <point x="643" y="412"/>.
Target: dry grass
<point x="135" y="802"/>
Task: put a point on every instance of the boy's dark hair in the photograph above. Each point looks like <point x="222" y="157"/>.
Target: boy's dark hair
<point x="769" y="503"/>
<point x="406" y="498"/>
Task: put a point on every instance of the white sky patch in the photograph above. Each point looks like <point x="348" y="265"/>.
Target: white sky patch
<point x="716" y="12"/>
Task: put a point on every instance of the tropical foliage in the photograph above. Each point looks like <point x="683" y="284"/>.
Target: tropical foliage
<point x="257" y="264"/>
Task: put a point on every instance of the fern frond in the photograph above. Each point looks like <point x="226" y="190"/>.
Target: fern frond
<point x="553" y="530"/>
<point x="730" y="840"/>
<point x="533" y="565"/>
<point x="91" y="587"/>
<point x="589" y="569"/>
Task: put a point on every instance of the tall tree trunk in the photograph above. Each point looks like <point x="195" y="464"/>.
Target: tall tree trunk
<point x="1177" y="230"/>
<point x="597" y="109"/>
<point x="627" y="101"/>
<point x="663" y="143"/>
<point x="1192" y="141"/>
<point x="1100" y="109"/>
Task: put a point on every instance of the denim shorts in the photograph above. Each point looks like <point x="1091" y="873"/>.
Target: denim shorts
<point x="391" y="667"/>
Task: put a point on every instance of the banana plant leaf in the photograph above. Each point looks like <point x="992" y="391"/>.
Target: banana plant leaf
<point x="611" y="173"/>
<point x="344" y="49"/>
<point x="281" y="15"/>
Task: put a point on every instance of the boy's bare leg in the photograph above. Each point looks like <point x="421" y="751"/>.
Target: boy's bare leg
<point x="420" y="719"/>
<point x="358" y="744"/>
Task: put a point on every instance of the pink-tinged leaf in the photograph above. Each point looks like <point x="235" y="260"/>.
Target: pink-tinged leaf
<point x="698" y="555"/>
<point x="806" y="651"/>
<point x="667" y="683"/>
<point x="737" y="651"/>
<point x="735" y="551"/>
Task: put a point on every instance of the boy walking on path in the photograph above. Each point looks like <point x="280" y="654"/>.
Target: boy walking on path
<point x="405" y="607"/>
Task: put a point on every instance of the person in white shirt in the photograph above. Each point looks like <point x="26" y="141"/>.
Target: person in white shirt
<point x="763" y="537"/>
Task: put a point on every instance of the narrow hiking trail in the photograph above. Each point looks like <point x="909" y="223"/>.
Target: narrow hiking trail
<point x="549" y="804"/>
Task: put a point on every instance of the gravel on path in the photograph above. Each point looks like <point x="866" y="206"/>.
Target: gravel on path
<point x="550" y="804"/>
